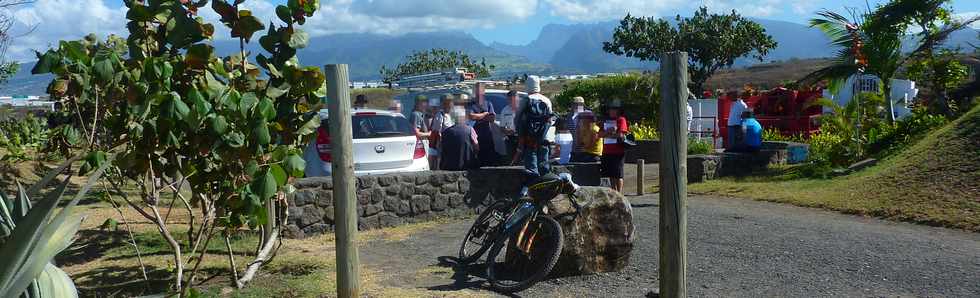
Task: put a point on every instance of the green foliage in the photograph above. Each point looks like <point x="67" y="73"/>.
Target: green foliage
<point x="8" y="70"/>
<point x="940" y="72"/>
<point x="18" y="136"/>
<point x="171" y="111"/>
<point x="885" y="140"/>
<point x="32" y="235"/>
<point x="712" y="41"/>
<point x="435" y="60"/>
<point x="872" y="43"/>
<point x="702" y="146"/>
<point x="773" y="135"/>
<point x="644" y="131"/>
<point x="638" y="93"/>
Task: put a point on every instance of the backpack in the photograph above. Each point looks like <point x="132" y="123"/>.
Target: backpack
<point x="537" y="120"/>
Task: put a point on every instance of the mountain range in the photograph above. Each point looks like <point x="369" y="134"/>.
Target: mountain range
<point x="558" y="49"/>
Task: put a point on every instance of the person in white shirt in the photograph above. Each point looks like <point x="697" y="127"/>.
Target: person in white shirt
<point x="735" y="121"/>
<point x="690" y="115"/>
<point x="506" y="122"/>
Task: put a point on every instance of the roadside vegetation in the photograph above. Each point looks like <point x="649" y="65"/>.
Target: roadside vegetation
<point x="935" y="181"/>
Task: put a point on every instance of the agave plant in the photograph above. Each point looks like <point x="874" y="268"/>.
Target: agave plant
<point x="30" y="236"/>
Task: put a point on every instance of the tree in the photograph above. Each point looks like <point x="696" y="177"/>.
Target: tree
<point x="170" y="115"/>
<point x="7" y="68"/>
<point x="940" y="73"/>
<point x="435" y="60"/>
<point x="872" y="41"/>
<point x="712" y="41"/>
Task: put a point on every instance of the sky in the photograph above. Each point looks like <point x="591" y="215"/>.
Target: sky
<point x="506" y="21"/>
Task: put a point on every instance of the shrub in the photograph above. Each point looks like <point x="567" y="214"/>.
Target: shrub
<point x="638" y="93"/>
<point x="884" y="140"/>
<point x="696" y="146"/>
<point x="773" y="135"/>
<point x="644" y="131"/>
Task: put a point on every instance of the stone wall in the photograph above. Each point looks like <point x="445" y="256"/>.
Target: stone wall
<point x="647" y="150"/>
<point x="395" y="199"/>
<point x="706" y="167"/>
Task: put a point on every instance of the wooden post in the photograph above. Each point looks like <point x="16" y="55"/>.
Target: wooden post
<point x="673" y="176"/>
<point x="344" y="188"/>
<point x="639" y="176"/>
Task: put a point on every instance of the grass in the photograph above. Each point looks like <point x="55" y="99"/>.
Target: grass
<point x="934" y="182"/>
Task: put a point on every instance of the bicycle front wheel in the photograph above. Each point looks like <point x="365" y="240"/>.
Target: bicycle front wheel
<point x="483" y="231"/>
<point x="518" y="261"/>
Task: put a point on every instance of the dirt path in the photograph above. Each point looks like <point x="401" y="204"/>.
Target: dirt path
<point x="736" y="248"/>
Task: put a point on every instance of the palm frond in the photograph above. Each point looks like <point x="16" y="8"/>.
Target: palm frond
<point x="836" y="75"/>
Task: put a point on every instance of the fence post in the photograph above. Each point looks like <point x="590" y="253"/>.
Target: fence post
<point x="673" y="176"/>
<point x="344" y="186"/>
<point x="639" y="176"/>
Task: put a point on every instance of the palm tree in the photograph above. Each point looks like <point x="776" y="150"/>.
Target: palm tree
<point x="872" y="42"/>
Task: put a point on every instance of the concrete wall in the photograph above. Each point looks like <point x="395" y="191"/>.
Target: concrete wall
<point x="395" y="199"/>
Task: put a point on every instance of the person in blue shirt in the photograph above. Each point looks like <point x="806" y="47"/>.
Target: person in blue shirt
<point x="752" y="130"/>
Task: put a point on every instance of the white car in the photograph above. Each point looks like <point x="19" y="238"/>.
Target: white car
<point x="384" y="142"/>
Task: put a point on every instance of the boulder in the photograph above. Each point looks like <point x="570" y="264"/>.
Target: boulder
<point x="600" y="238"/>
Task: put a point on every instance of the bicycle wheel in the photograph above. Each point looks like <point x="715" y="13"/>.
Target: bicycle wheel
<point x="481" y="234"/>
<point x="518" y="261"/>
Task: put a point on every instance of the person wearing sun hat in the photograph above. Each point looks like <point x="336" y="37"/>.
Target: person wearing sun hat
<point x="613" y="132"/>
<point x="578" y="107"/>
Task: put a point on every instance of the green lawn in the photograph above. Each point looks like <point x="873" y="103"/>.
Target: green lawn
<point x="934" y="182"/>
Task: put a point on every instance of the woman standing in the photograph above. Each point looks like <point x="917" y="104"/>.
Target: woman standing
<point x="613" y="132"/>
<point x="587" y="139"/>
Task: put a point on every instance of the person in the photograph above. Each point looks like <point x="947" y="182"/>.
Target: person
<point x="418" y="119"/>
<point x="441" y="120"/>
<point x="360" y="102"/>
<point x="752" y="130"/>
<point x="458" y="145"/>
<point x="690" y="115"/>
<point x="735" y="120"/>
<point x="613" y="132"/>
<point x="395" y="106"/>
<point x="578" y="107"/>
<point x="481" y="113"/>
<point x="587" y="138"/>
<point x="534" y="118"/>
<point x="507" y="126"/>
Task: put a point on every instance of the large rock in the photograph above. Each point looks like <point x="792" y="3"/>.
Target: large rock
<point x="600" y="239"/>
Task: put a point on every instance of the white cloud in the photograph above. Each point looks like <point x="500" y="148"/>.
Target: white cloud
<point x="963" y="16"/>
<point x="54" y="20"/>
<point x="601" y="10"/>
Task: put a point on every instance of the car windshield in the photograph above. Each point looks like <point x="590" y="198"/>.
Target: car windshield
<point x="380" y="126"/>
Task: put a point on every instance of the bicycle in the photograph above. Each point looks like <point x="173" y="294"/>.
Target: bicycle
<point x="523" y="242"/>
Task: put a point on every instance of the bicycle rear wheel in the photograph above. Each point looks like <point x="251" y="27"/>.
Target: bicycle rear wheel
<point x="483" y="230"/>
<point x="518" y="261"/>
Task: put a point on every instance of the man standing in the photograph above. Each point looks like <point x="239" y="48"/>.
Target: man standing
<point x="535" y="128"/>
<point x="459" y="145"/>
<point x="418" y="120"/>
<point x="441" y="120"/>
<point x="506" y="119"/>
<point x="482" y="114"/>
<point x="360" y="102"/>
<point x="735" y="121"/>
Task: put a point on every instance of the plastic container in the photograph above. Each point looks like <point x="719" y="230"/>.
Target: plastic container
<point x="564" y="141"/>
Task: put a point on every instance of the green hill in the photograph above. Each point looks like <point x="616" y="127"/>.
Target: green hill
<point x="934" y="182"/>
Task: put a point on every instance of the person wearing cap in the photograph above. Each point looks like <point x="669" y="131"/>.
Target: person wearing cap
<point x="360" y="102"/>
<point x="536" y="153"/>
<point x="613" y="132"/>
<point x="587" y="138"/>
<point x="418" y="118"/>
<point x="441" y="120"/>
<point x="578" y="107"/>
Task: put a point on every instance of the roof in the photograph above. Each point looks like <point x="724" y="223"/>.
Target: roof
<point x="324" y="113"/>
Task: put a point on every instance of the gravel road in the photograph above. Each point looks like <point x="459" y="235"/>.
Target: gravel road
<point x="737" y="248"/>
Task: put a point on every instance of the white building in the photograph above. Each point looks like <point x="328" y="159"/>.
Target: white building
<point x="902" y="95"/>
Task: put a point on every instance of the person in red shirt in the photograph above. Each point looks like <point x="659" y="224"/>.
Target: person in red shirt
<point x="613" y="132"/>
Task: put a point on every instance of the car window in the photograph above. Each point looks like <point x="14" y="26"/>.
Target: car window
<point x="380" y="126"/>
<point x="499" y="101"/>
